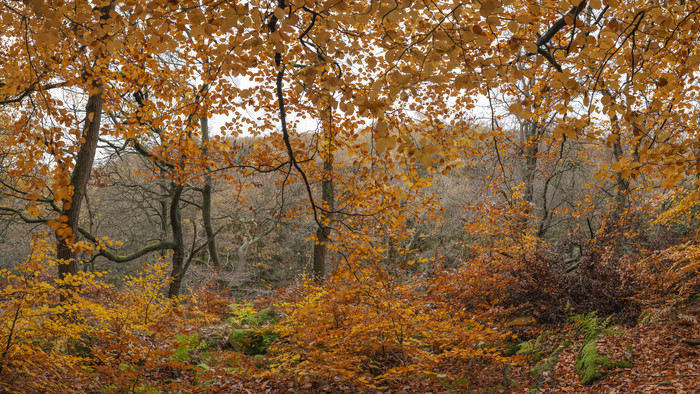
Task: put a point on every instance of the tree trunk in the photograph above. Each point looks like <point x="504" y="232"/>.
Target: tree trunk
<point x="242" y="253"/>
<point x="206" y="198"/>
<point x="66" y="255"/>
<point x="323" y="233"/>
<point x="327" y="199"/>
<point x="622" y="189"/>
<point x="179" y="246"/>
<point x="531" y="149"/>
<point x="164" y="206"/>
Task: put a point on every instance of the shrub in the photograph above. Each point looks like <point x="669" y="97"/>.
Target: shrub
<point x="368" y="330"/>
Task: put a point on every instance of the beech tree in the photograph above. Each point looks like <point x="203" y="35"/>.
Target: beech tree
<point x="594" y="93"/>
<point x="53" y="56"/>
<point x="601" y="58"/>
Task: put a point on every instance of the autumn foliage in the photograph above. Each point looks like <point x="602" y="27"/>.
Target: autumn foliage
<point x="349" y="196"/>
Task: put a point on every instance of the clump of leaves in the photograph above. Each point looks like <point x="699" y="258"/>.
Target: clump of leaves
<point x="672" y="271"/>
<point x="38" y="332"/>
<point x="186" y="344"/>
<point x="365" y="333"/>
<point x="97" y="337"/>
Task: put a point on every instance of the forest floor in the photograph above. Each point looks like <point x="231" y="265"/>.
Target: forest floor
<point x="662" y="344"/>
<point x="663" y="362"/>
<point x="307" y="338"/>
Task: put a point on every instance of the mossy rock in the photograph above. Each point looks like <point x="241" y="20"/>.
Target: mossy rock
<point x="262" y="317"/>
<point x="252" y="341"/>
<point x="592" y="366"/>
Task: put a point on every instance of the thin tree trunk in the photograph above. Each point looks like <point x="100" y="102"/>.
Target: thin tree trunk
<point x="621" y="194"/>
<point x="531" y="149"/>
<point x="206" y="198"/>
<point x="66" y="236"/>
<point x="66" y="255"/>
<point x="179" y="246"/>
<point x="323" y="233"/>
<point x="327" y="199"/>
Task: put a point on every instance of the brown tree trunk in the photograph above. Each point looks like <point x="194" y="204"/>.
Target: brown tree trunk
<point x="206" y="199"/>
<point x="323" y="233"/>
<point x="65" y="254"/>
<point x="621" y="192"/>
<point x="531" y="149"/>
<point x="327" y="199"/>
<point x="178" y="261"/>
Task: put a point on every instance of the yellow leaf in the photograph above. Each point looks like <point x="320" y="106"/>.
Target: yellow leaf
<point x="531" y="47"/>
<point x="381" y="127"/>
<point x="487" y="7"/>
<point x="513" y="26"/>
<point x="516" y="108"/>
<point x="279" y="13"/>
<point x="523" y="19"/>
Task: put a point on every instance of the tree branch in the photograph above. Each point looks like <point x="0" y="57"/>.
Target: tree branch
<point x="558" y="25"/>
<point x="116" y="258"/>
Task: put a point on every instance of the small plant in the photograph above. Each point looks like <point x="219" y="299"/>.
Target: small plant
<point x="252" y="341"/>
<point x="532" y="348"/>
<point x="592" y="366"/>
<point x="186" y="344"/>
<point x="458" y="386"/>
<point x="246" y="315"/>
<point x="253" y="334"/>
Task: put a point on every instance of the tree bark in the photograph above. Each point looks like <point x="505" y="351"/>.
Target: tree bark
<point x="65" y="253"/>
<point x="327" y="199"/>
<point x="621" y="197"/>
<point x="206" y="198"/>
<point x="178" y="260"/>
<point x="531" y="149"/>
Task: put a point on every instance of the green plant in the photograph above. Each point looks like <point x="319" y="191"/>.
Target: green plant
<point x="245" y="315"/>
<point x="592" y="366"/>
<point x="186" y="344"/>
<point x="457" y="386"/>
<point x="252" y="341"/>
<point x="533" y="348"/>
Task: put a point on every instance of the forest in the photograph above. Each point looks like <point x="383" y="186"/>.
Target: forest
<point x="349" y="196"/>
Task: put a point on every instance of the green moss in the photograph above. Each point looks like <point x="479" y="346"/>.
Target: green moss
<point x="252" y="341"/>
<point x="245" y="315"/>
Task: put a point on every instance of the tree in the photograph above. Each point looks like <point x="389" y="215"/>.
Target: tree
<point x="44" y="65"/>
